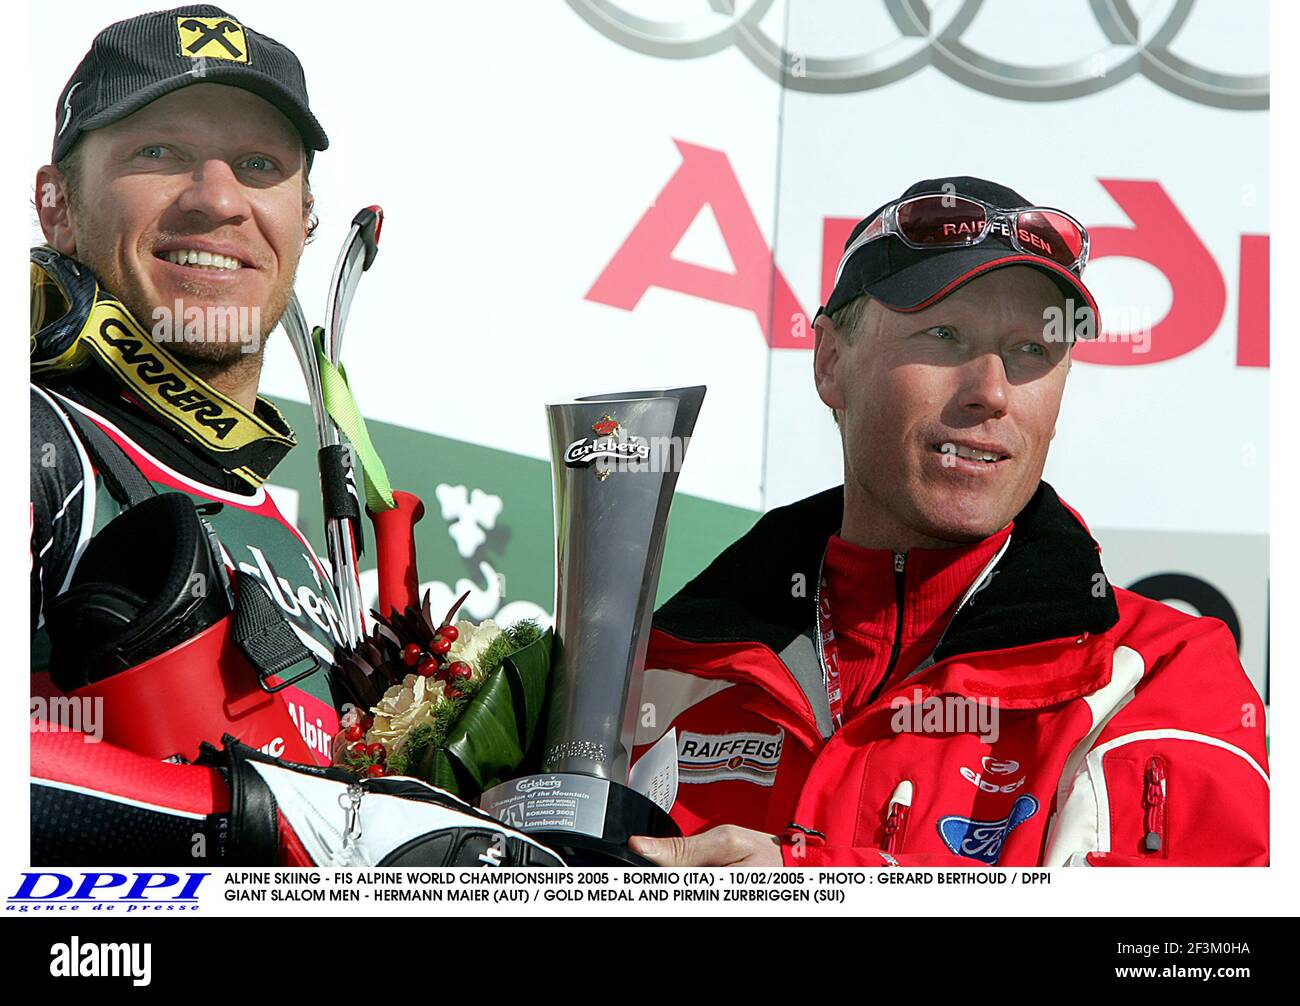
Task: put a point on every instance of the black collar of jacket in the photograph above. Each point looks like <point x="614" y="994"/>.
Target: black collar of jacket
<point x="1045" y="587"/>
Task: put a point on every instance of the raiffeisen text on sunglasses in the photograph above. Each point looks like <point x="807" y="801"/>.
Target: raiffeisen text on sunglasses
<point x="947" y="221"/>
<point x="941" y="233"/>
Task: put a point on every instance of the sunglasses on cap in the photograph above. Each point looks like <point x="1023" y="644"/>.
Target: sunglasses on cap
<point x="941" y="220"/>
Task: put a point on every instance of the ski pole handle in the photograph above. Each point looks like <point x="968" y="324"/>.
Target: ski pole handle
<point x="399" y="580"/>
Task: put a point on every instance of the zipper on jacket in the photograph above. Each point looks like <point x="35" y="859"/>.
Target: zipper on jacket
<point x="1154" y="799"/>
<point x="900" y="584"/>
<point x="900" y="805"/>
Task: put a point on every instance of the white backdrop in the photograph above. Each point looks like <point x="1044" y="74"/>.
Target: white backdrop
<point x="517" y="146"/>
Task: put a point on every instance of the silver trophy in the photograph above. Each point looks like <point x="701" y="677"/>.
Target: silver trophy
<point x="614" y="465"/>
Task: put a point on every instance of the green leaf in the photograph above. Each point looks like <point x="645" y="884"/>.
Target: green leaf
<point x="437" y="770"/>
<point x="530" y="669"/>
<point x="489" y="739"/>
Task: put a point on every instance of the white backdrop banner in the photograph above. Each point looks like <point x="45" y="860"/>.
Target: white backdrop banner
<point x="591" y="195"/>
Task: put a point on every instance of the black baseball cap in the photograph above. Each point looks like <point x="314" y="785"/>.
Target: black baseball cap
<point x="135" y="61"/>
<point x="910" y="279"/>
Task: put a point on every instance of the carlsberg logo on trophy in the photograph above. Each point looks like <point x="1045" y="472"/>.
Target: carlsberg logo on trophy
<point x="614" y="465"/>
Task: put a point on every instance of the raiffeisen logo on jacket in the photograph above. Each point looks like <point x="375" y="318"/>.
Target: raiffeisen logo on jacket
<point x="753" y="757"/>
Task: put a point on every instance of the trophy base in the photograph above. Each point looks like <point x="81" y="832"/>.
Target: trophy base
<point x="595" y="836"/>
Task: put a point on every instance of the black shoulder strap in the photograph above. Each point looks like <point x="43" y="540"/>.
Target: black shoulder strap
<point x="122" y="476"/>
<point x="265" y="636"/>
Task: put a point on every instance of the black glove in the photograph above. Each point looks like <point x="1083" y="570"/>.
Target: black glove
<point x="300" y="815"/>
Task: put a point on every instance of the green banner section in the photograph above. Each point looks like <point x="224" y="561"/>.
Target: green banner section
<point x="488" y="514"/>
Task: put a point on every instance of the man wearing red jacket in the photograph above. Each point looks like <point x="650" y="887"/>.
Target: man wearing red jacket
<point x="928" y="666"/>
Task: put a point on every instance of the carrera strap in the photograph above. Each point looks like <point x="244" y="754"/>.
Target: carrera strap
<point x="97" y="329"/>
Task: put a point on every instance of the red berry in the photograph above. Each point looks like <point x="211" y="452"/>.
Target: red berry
<point x="358" y="749"/>
<point x="461" y="670"/>
<point x="453" y="692"/>
<point x="375" y="770"/>
<point x="449" y="632"/>
<point x="354" y="732"/>
<point x="440" y="645"/>
<point x="367" y="722"/>
<point x="377" y="751"/>
<point x="428" y="667"/>
<point x="411" y="654"/>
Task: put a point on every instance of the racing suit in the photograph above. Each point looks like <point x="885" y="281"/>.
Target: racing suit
<point x="1002" y="703"/>
<point x="97" y="804"/>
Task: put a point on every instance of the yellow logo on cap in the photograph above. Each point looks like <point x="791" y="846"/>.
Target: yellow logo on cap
<point x="212" y="38"/>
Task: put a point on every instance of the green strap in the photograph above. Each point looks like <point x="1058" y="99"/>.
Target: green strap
<point x="342" y="408"/>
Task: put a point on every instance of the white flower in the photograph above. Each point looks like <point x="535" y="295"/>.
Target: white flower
<point x="473" y="641"/>
<point x="413" y="702"/>
<point x="403" y="708"/>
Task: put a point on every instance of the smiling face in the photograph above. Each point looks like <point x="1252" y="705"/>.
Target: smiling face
<point x="199" y="197"/>
<point x="946" y="414"/>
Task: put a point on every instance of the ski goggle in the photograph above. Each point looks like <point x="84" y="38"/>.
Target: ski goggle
<point x="937" y="221"/>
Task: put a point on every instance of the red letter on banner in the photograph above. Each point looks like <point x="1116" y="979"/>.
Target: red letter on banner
<point x="835" y="235"/>
<point x="1252" y="302"/>
<point x="705" y="178"/>
<point x="1162" y="237"/>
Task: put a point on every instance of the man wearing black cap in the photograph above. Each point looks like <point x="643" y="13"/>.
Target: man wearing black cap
<point x="175" y="210"/>
<point x="927" y="665"/>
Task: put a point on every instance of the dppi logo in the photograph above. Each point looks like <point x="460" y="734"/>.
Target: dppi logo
<point x="1160" y="236"/>
<point x="50" y="891"/>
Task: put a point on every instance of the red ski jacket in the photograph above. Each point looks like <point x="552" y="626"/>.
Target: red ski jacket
<point x="1003" y="704"/>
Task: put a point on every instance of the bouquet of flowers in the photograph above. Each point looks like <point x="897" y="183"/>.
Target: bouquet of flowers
<point x="453" y="703"/>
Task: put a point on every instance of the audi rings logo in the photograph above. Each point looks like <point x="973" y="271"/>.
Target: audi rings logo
<point x="931" y="36"/>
